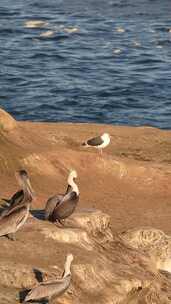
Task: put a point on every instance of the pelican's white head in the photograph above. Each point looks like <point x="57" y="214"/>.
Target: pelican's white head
<point x="71" y="182"/>
<point x="69" y="258"/>
<point x="73" y="174"/>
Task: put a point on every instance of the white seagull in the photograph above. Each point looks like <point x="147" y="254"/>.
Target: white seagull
<point x="99" y="142"/>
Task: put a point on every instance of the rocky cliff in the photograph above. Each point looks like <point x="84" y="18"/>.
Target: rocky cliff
<point x="119" y="234"/>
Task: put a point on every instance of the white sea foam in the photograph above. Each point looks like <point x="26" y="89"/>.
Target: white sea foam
<point x="159" y="46"/>
<point x="136" y="43"/>
<point x="120" y="29"/>
<point x="35" y="23"/>
<point x="47" y="34"/>
<point x="71" y="29"/>
<point x="117" y="51"/>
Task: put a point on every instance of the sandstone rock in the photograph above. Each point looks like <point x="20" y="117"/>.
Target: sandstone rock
<point x="130" y="181"/>
<point x="9" y="295"/>
<point x="69" y="236"/>
<point x="7" y="122"/>
<point x="34" y="162"/>
<point x="151" y="294"/>
<point x="18" y="276"/>
<point x="95" y="279"/>
<point x="83" y="228"/>
<point x="113" y="274"/>
<point x="92" y="220"/>
<point x="153" y="241"/>
<point x="95" y="222"/>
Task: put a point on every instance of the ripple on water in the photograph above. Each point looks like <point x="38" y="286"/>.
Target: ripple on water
<point x="106" y="62"/>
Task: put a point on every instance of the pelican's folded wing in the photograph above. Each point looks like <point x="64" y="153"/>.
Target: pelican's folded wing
<point x="45" y="290"/>
<point x="52" y="202"/>
<point x="9" y="223"/>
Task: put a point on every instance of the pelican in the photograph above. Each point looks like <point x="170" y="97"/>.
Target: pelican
<point x="16" y="215"/>
<point x="26" y="192"/>
<point x="52" y="289"/>
<point x="99" y="142"/>
<point x="59" y="207"/>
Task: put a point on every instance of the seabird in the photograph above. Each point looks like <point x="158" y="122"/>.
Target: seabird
<point x="59" y="207"/>
<point x="10" y="223"/>
<point x="52" y="289"/>
<point x="99" y="142"/>
<point x="25" y="193"/>
<point x="16" y="215"/>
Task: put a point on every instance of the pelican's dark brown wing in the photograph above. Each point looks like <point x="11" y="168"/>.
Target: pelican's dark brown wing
<point x="66" y="207"/>
<point x="17" y="198"/>
<point x="52" y="202"/>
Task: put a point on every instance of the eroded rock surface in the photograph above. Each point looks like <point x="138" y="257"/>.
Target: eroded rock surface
<point x="84" y="228"/>
<point x="7" y="122"/>
<point x="125" y="189"/>
<point x="105" y="269"/>
<point x="153" y="241"/>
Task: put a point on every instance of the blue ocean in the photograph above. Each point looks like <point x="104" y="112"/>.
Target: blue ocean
<point x="97" y="61"/>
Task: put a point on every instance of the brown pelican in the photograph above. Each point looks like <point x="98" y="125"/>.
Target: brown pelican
<point x="99" y="142"/>
<point x="52" y="289"/>
<point x="16" y="215"/>
<point x="26" y="192"/>
<point x="16" y="197"/>
<point x="60" y="207"/>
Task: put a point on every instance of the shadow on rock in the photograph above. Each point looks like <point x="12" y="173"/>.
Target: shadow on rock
<point x="38" y="275"/>
<point x="38" y="214"/>
<point x="22" y="294"/>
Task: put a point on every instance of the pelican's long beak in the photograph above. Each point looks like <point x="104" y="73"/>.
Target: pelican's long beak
<point x="30" y="189"/>
<point x="18" y="178"/>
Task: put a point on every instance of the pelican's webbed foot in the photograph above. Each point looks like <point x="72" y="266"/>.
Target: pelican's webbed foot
<point x="59" y="223"/>
<point x="62" y="222"/>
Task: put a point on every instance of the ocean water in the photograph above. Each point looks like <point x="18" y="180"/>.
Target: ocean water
<point x="103" y="61"/>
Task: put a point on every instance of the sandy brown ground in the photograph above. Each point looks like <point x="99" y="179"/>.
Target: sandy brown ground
<point x="130" y="181"/>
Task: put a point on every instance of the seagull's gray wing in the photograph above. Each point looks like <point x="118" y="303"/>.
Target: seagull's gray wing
<point x="96" y="141"/>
